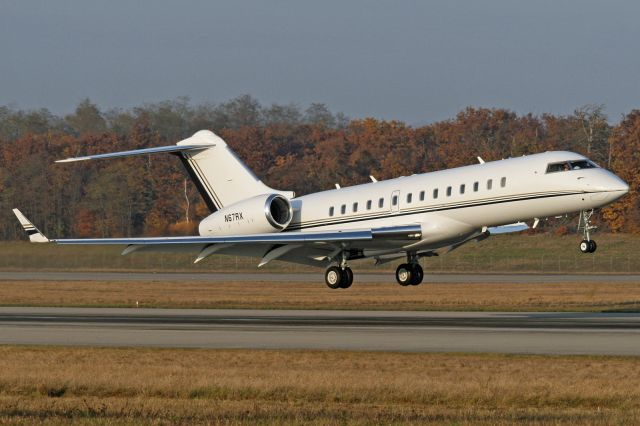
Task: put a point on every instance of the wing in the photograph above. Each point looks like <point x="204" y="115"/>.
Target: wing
<point x="316" y="246"/>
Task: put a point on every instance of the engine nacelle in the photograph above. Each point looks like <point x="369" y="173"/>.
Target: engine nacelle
<point x="256" y="215"/>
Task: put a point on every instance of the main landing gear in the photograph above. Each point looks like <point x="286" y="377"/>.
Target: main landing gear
<point x="337" y="277"/>
<point x="341" y="276"/>
<point x="410" y="273"/>
<point x="587" y="245"/>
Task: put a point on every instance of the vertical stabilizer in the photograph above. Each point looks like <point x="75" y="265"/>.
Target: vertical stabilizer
<point x="221" y="177"/>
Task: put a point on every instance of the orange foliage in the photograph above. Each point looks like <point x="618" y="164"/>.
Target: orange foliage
<point x="144" y="195"/>
<point x="625" y="149"/>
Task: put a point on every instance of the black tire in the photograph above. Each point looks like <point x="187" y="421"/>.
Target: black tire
<point x="585" y="246"/>
<point x="417" y="274"/>
<point x="347" y="278"/>
<point x="333" y="277"/>
<point x="592" y="246"/>
<point x="404" y="274"/>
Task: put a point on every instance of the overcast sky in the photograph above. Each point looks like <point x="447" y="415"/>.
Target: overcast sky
<point x="417" y="61"/>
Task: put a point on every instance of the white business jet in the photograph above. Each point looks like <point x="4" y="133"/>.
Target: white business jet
<point x="407" y="217"/>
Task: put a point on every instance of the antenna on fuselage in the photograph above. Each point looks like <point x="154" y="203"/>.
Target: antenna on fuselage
<point x="337" y="186"/>
<point x="480" y="160"/>
<point x="374" y="180"/>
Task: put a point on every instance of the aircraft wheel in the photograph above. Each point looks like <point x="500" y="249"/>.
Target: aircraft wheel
<point x="333" y="277"/>
<point x="404" y="274"/>
<point x="585" y="246"/>
<point x="347" y="278"/>
<point x="417" y="274"/>
<point x="592" y="246"/>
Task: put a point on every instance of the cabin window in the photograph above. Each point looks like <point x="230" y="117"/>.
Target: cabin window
<point x="489" y="183"/>
<point x="435" y="193"/>
<point x="368" y="204"/>
<point x="409" y="198"/>
<point x="355" y="207"/>
<point x="448" y="191"/>
<point x="462" y="189"/>
<point x="503" y="182"/>
<point x="476" y="185"/>
<point x="343" y="209"/>
<point x="331" y="211"/>
<point x="381" y="202"/>
<point x="394" y="200"/>
<point x="421" y="195"/>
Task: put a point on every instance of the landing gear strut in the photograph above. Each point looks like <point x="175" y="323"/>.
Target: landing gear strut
<point x="587" y="245"/>
<point x="410" y="273"/>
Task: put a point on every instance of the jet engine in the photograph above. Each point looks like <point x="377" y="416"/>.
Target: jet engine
<point x="256" y="215"/>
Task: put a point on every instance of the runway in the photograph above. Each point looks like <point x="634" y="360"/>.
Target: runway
<point x="504" y="332"/>
<point x="380" y="277"/>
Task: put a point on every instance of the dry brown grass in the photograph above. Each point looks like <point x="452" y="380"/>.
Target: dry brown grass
<point x="88" y="385"/>
<point x="428" y="296"/>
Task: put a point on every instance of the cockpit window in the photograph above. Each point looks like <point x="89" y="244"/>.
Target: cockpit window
<point x="582" y="164"/>
<point x="557" y="167"/>
<point x="565" y="166"/>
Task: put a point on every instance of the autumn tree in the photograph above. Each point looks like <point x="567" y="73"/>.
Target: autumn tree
<point x="595" y="132"/>
<point x="625" y="160"/>
<point x="87" y="118"/>
<point x="288" y="146"/>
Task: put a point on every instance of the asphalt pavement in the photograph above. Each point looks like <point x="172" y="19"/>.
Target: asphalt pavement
<point x="503" y="332"/>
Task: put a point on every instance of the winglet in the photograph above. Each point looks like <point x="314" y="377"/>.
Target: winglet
<point x="35" y="236"/>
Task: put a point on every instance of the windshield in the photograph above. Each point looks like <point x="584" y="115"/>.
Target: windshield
<point x="565" y="166"/>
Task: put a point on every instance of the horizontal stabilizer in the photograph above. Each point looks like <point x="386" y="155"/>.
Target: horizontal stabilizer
<point x="35" y="236"/>
<point x="145" y="151"/>
<point x="219" y="175"/>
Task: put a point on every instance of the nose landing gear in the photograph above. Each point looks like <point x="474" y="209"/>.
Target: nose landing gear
<point x="587" y="245"/>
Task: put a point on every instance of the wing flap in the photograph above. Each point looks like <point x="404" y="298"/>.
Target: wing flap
<point x="507" y="229"/>
<point x="280" y="238"/>
<point x="399" y="233"/>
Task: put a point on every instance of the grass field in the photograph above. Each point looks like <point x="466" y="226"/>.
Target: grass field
<point x="576" y="296"/>
<point x="502" y="253"/>
<point x="167" y="386"/>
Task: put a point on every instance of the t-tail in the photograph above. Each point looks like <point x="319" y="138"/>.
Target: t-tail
<point x="220" y="176"/>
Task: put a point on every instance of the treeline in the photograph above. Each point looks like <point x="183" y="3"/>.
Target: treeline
<point x="289" y="147"/>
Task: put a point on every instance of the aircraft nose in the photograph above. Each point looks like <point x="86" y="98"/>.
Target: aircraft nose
<point x="606" y="182"/>
<point x="607" y="188"/>
<point x="618" y="185"/>
<point x="615" y="187"/>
